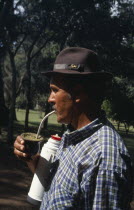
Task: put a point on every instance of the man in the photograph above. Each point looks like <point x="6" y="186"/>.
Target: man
<point x="92" y="168"/>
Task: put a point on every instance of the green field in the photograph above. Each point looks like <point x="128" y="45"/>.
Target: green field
<point x="129" y="141"/>
<point x="35" y="117"/>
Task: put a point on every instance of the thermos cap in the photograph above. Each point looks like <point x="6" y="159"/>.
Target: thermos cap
<point x="56" y="137"/>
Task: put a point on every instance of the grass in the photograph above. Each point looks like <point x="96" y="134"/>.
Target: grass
<point x="35" y="117"/>
<point x="129" y="141"/>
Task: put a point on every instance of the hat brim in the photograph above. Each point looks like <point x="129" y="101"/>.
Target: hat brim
<point x="105" y="75"/>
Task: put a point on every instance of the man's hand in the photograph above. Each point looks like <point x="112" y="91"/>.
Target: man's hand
<point x="19" y="149"/>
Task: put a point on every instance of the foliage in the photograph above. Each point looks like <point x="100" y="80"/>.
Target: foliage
<point x="123" y="102"/>
<point x="107" y="107"/>
<point x="43" y="102"/>
<point x="94" y="24"/>
<point x="32" y="34"/>
<point x="21" y="102"/>
<point x="39" y="102"/>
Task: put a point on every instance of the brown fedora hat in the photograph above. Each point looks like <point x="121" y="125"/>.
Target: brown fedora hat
<point x="78" y="61"/>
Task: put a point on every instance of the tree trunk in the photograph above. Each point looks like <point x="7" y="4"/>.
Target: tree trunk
<point x="118" y="125"/>
<point x="28" y="93"/>
<point x="46" y="112"/>
<point x="2" y="100"/>
<point x="13" y="101"/>
<point x="126" y="127"/>
<point x="4" y="112"/>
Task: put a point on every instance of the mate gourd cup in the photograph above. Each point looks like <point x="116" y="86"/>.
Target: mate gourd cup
<point x="32" y="139"/>
<point x="31" y="142"/>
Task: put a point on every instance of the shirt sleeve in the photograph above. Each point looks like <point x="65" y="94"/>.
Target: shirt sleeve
<point x="108" y="189"/>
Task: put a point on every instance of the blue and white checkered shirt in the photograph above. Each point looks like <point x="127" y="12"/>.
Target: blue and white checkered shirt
<point x="92" y="170"/>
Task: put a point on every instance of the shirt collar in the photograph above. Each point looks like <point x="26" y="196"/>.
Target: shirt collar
<point x="74" y="137"/>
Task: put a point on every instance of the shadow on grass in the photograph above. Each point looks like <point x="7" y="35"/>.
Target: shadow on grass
<point x="129" y="135"/>
<point x="15" y="179"/>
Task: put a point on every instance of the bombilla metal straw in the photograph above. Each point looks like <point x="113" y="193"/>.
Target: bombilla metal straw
<point x="40" y="126"/>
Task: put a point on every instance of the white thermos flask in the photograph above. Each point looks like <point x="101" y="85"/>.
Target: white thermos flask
<point x="40" y="179"/>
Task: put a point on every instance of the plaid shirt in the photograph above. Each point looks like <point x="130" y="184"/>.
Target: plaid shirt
<point x="92" y="170"/>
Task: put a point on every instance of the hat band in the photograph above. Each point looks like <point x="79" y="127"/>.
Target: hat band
<point x="75" y="67"/>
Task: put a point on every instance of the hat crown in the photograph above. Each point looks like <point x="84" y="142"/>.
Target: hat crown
<point x="78" y="62"/>
<point x="76" y="58"/>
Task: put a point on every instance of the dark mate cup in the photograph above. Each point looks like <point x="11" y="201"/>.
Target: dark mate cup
<point x="31" y="142"/>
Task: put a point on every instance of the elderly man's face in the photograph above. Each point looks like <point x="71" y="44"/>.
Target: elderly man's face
<point x="61" y="100"/>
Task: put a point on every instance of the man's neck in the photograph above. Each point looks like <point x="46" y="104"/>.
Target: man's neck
<point x="84" y="119"/>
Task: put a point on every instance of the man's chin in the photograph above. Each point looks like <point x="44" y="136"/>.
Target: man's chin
<point x="61" y="121"/>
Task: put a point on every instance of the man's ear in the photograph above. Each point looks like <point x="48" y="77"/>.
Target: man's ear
<point x="78" y="93"/>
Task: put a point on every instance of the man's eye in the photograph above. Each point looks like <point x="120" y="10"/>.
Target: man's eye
<point x="54" y="90"/>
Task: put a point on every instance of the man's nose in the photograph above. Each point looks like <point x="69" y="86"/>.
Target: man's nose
<point x="51" y="98"/>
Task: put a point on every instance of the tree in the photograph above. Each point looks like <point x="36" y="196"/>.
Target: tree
<point x="34" y="29"/>
<point x="4" y="112"/>
<point x="123" y="102"/>
<point x="30" y="55"/>
<point x="3" y="109"/>
<point x="9" y="38"/>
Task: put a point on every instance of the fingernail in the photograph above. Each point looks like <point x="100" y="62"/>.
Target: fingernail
<point x="24" y="155"/>
<point x="22" y="148"/>
<point x="22" y="141"/>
